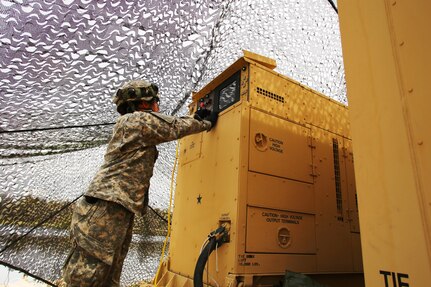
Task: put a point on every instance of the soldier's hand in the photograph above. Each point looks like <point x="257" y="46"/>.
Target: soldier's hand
<point x="201" y="114"/>
<point x="213" y="119"/>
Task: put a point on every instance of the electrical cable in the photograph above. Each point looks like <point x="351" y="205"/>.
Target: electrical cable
<point x="333" y="6"/>
<point x="201" y="262"/>
<point x="215" y="239"/>
<point x="200" y="251"/>
<point x="168" y="234"/>
<point x="216" y="267"/>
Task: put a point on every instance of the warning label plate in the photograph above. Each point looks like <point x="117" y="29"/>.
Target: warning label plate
<point x="280" y="231"/>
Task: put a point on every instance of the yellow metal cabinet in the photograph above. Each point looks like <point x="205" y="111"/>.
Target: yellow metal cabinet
<point x="278" y="170"/>
<point x="386" y="48"/>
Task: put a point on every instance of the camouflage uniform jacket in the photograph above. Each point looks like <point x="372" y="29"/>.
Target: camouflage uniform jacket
<point x="124" y="177"/>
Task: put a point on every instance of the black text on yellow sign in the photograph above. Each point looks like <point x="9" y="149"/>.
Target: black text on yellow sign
<point x="393" y="279"/>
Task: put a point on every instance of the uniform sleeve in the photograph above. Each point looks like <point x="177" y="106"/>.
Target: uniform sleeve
<point x="160" y="128"/>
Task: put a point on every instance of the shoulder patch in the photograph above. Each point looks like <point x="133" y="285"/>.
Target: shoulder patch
<point x="168" y="119"/>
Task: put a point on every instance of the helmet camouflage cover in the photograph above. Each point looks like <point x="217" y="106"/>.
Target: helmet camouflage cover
<point x="135" y="91"/>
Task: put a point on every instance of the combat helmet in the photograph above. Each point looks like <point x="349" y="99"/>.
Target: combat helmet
<point x="133" y="92"/>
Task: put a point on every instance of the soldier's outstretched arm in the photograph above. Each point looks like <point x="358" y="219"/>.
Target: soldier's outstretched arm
<point x="162" y="128"/>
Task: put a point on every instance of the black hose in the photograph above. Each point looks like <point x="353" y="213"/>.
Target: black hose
<point x="202" y="261"/>
<point x="216" y="239"/>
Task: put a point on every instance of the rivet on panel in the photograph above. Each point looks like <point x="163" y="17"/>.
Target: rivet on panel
<point x="420" y="142"/>
<point x="394" y="3"/>
<point x="411" y="90"/>
<point x="402" y="43"/>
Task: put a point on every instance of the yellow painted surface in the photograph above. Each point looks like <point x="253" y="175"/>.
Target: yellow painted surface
<point x="265" y="61"/>
<point x="299" y="236"/>
<point x="214" y="179"/>
<point x="267" y="168"/>
<point x="274" y="142"/>
<point x="386" y="47"/>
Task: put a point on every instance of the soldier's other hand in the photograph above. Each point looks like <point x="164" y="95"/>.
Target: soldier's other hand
<point x="201" y="114"/>
<point x="213" y="119"/>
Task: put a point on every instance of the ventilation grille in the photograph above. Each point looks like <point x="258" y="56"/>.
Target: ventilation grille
<point x="338" y="194"/>
<point x="270" y="95"/>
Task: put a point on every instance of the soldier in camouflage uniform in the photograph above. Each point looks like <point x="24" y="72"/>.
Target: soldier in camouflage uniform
<point x="102" y="220"/>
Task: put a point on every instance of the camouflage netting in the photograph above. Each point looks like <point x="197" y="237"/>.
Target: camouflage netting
<point x="60" y="64"/>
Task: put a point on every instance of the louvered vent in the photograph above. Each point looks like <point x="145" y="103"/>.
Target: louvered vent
<point x="338" y="194"/>
<point x="270" y="95"/>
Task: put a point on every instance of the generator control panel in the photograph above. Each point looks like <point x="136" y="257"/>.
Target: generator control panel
<point x="206" y="102"/>
<point x="223" y="96"/>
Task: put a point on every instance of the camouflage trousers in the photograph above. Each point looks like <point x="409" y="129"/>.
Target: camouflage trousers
<point x="101" y="232"/>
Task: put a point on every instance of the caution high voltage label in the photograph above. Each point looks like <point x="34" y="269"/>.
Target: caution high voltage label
<point x="285" y="231"/>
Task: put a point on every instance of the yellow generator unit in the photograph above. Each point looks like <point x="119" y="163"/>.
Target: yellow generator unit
<point x="273" y="182"/>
